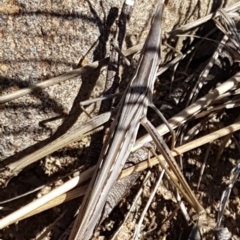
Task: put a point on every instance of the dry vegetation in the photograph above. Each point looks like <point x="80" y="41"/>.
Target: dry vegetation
<point x="46" y="70"/>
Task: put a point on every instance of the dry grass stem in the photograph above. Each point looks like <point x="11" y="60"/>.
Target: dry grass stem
<point x="134" y="203"/>
<point x="32" y="208"/>
<point x="150" y="199"/>
<point x="66" y="76"/>
<point x="192" y="110"/>
<point x="93" y="125"/>
<point x="232" y="8"/>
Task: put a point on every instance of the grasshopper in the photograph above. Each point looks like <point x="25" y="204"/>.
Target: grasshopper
<point x="132" y="111"/>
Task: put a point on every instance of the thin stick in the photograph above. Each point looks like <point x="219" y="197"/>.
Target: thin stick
<point x="89" y="126"/>
<point x="224" y="143"/>
<point x="189" y="26"/>
<point x="175" y="181"/>
<point x="134" y="203"/>
<point x="66" y="197"/>
<point x="184" y="148"/>
<point x="183" y="208"/>
<point x="137" y="228"/>
<point x="19" y="214"/>
<point x="226" y="193"/>
<point x="90" y="101"/>
<point x="64" y="77"/>
<point x="204" y="164"/>
<point x="50" y="227"/>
